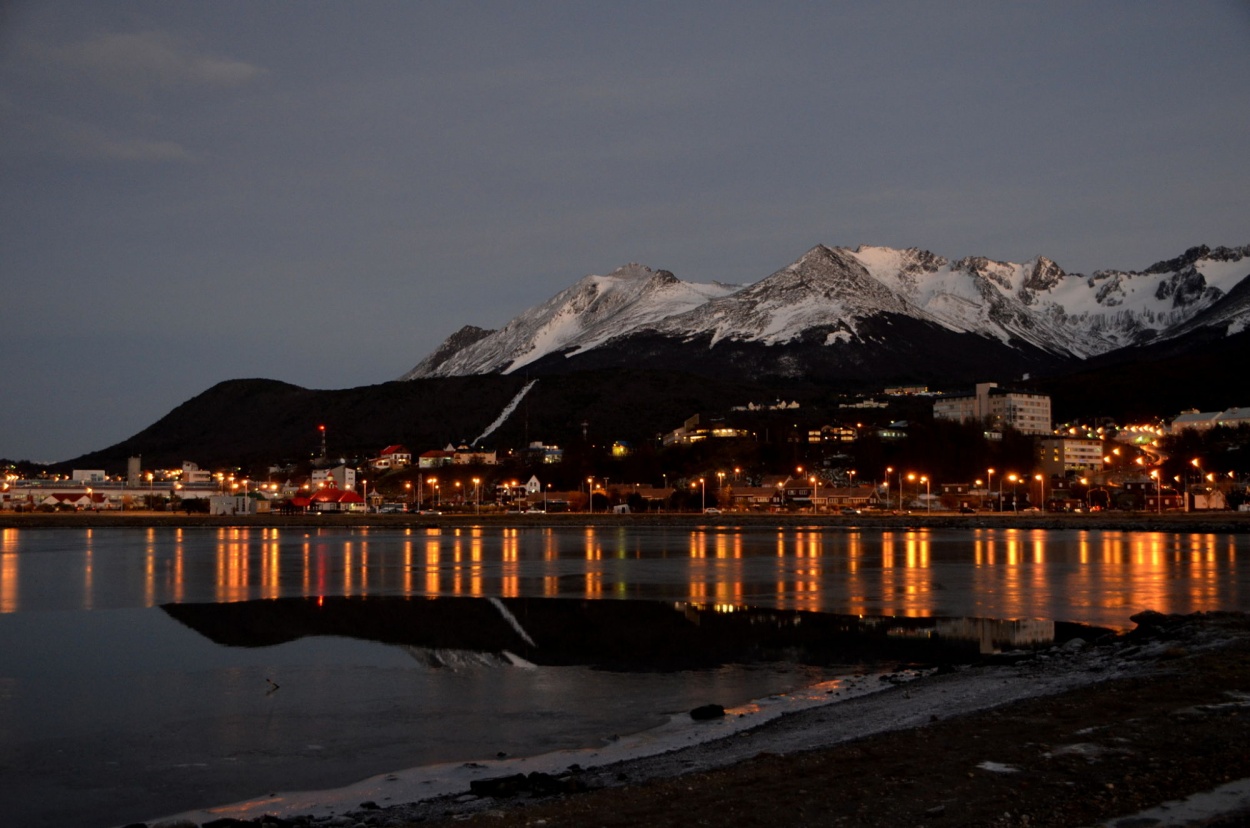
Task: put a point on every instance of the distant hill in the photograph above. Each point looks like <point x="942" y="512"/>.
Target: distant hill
<point x="240" y="422"/>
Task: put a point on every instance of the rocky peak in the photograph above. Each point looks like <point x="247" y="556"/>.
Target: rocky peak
<point x="1186" y="259"/>
<point x="923" y="261"/>
<point x="1185" y="287"/>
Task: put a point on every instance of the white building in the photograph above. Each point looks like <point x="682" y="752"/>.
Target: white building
<point x="1064" y="456"/>
<point x="342" y="477"/>
<point x="1025" y="411"/>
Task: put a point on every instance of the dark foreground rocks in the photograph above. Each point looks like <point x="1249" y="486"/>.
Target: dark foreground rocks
<point x="1155" y="715"/>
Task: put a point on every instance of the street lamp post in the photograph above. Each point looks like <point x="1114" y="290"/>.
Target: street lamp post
<point x="1158" y="491"/>
<point x="590" y="495"/>
<point x="928" y="494"/>
<point x="477" y="495"/>
<point x="815" y="481"/>
<point x="1041" y="491"/>
<point x="888" y="471"/>
<point x="989" y="487"/>
<point x="1015" y="490"/>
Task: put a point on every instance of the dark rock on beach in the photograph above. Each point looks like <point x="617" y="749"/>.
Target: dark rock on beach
<point x="707" y="712"/>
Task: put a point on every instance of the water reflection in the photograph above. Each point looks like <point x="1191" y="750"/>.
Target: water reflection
<point x="8" y="570"/>
<point x="1099" y="577"/>
<point x="617" y="635"/>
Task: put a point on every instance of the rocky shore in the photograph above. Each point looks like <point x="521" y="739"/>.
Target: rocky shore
<point x="1129" y="731"/>
<point x="1204" y="522"/>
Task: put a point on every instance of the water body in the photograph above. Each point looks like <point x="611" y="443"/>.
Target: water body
<point x="150" y="671"/>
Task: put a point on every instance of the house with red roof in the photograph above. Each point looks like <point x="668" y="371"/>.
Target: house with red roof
<point x="330" y="499"/>
<point x="392" y="457"/>
<point x="435" y="458"/>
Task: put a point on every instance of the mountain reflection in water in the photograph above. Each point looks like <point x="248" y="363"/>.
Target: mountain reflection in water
<point x="616" y="635"/>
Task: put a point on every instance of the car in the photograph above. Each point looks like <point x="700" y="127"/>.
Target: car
<point x="711" y="510"/>
<point x="967" y="510"/>
<point x="849" y="511"/>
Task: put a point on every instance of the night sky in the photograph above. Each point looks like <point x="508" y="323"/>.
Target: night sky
<point x="321" y="192"/>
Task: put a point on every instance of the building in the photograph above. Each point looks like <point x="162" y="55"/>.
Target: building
<point x="1025" y="411"/>
<point x="832" y="434"/>
<point x="193" y="474"/>
<point x="548" y="455"/>
<point x="435" y="458"/>
<point x="465" y="456"/>
<point x="1069" y="456"/>
<point x="1194" y="419"/>
<point x="340" y="477"/>
<point x="1206" y="420"/>
<point x="392" y="457"/>
<point x="331" y="499"/>
<point x="694" y="431"/>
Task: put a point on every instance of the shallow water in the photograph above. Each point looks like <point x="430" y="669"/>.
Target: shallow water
<point x="111" y="710"/>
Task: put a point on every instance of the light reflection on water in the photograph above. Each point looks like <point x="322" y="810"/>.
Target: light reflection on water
<point x="1095" y="577"/>
<point x="101" y="693"/>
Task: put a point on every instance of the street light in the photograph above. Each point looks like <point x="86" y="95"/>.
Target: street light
<point x="1015" y="490"/>
<point x="989" y="487"/>
<point x="888" y="471"/>
<point x="911" y="478"/>
<point x="815" y="481"/>
<point x="590" y="495"/>
<point x="980" y="494"/>
<point x="928" y="494"/>
<point x="477" y="495"/>
<point x="1041" y="491"/>
<point x="1158" y="491"/>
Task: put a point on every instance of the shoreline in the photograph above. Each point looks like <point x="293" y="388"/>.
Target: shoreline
<point x="1068" y="735"/>
<point x="1192" y="522"/>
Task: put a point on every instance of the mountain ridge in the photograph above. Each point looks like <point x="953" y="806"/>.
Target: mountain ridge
<point x="1033" y="308"/>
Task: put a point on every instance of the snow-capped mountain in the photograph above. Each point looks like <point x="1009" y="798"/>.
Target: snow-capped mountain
<point x="856" y="304"/>
<point x="591" y="312"/>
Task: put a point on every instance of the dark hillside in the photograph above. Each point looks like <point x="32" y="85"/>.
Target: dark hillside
<point x="240" y="422"/>
<point x="1204" y="370"/>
